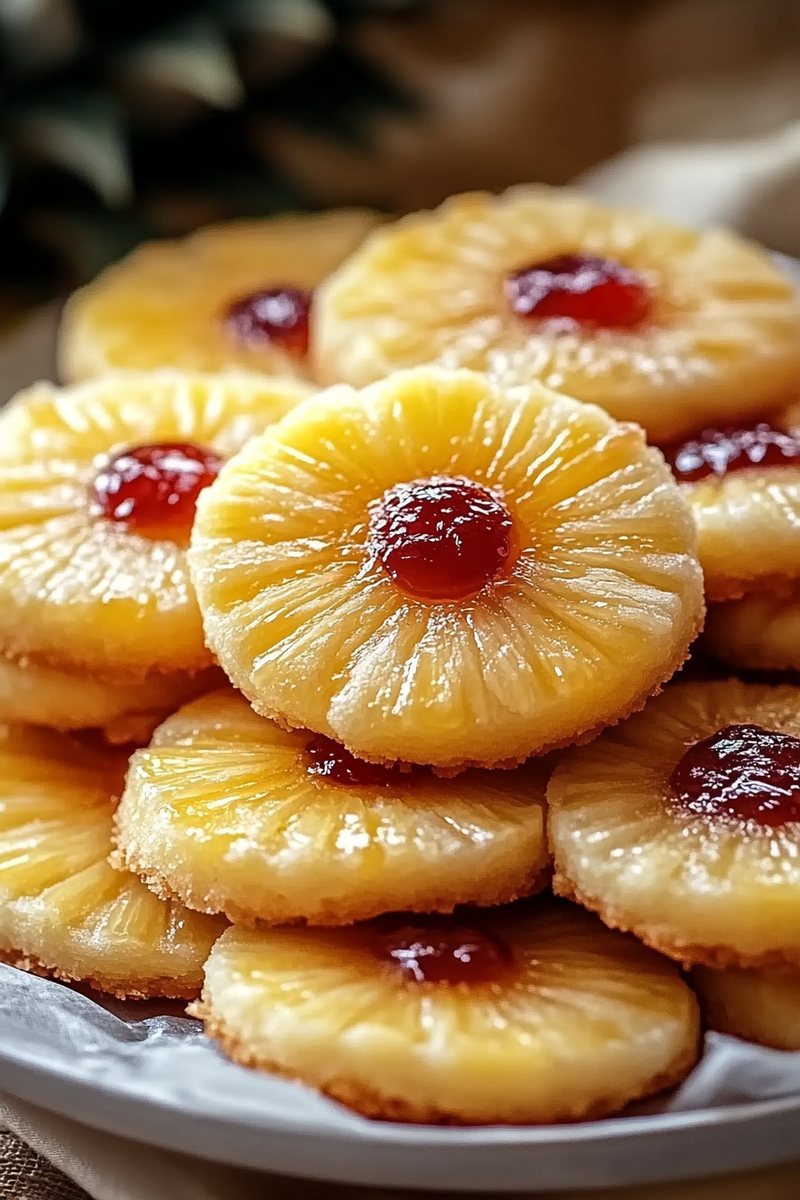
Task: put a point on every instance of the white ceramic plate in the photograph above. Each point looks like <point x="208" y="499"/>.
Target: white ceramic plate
<point x="159" y="1081"/>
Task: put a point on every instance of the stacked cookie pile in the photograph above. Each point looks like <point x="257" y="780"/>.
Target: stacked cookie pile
<point x="333" y="666"/>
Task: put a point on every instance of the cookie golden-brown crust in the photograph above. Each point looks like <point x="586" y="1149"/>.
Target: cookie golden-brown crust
<point x="134" y="989"/>
<point x="577" y="1022"/>
<point x="596" y="609"/>
<point x="165" y="304"/>
<point x="721" y="342"/>
<point x="699" y="887"/>
<point x="222" y="813"/>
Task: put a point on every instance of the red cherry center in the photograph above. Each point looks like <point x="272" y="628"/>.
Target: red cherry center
<point x="745" y="773"/>
<point x="276" y="315"/>
<point x="720" y="451"/>
<point x="581" y="289"/>
<point x="152" y="490"/>
<point x="443" y="950"/>
<point x="442" y="539"/>
<point x="328" y="760"/>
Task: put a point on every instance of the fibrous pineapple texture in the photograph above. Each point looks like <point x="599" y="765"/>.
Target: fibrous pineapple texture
<point x="63" y="910"/>
<point x="658" y="324"/>
<point x="97" y="491"/>
<point x="760" y="1006"/>
<point x="682" y="824"/>
<point x="231" y="296"/>
<point x="526" y="1015"/>
<point x="437" y="571"/>
<point x="233" y="814"/>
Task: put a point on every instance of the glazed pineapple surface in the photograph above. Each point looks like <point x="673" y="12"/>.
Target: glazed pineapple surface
<point x="63" y="910"/>
<point x="551" y="1017"/>
<point x="760" y="1006"/>
<point x="302" y="563"/>
<point x="167" y="304"/>
<point x="710" y="329"/>
<point x="230" y="813"/>
<point x="82" y="593"/>
<point x="705" y="884"/>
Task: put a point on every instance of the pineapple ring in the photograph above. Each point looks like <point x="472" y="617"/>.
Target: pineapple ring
<point x="126" y="712"/>
<point x="63" y="910"/>
<point x="748" y="530"/>
<point x="760" y="632"/>
<point x="723" y="340"/>
<point x="700" y="888"/>
<point x="584" y="1022"/>
<point x="759" y="1006"/>
<point x="162" y="306"/>
<point x="599" y="607"/>
<point x="221" y="813"/>
<point x="81" y="594"/>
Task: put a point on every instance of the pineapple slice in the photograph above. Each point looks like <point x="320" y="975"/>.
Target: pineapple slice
<point x="682" y="825"/>
<point x="743" y="487"/>
<point x="169" y="303"/>
<point x="126" y="713"/>
<point x="526" y="1015"/>
<point x="63" y="910"/>
<point x="232" y="814"/>
<point x="435" y="571"/>
<point x="760" y="632"/>
<point x="85" y="586"/>
<point x="760" y="1006"/>
<point x="657" y="324"/>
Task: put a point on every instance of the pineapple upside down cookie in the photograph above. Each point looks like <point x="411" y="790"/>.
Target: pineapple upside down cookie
<point x="657" y="324"/>
<point x="235" y="295"/>
<point x="759" y="1006"/>
<point x="438" y="571"/>
<point x="760" y="632"/>
<point x="529" y="1014"/>
<point x="682" y="825"/>
<point x="98" y="485"/>
<point x="230" y="813"/>
<point x="64" y="911"/>
<point x="743" y="487"/>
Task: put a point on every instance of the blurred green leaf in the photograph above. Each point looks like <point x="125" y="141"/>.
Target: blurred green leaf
<point x="192" y="57"/>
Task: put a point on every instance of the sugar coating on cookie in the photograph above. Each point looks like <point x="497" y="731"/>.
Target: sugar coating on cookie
<point x="682" y="824"/>
<point x="63" y="910"/>
<point x="435" y="570"/>
<point x="673" y="328"/>
<point x="234" y="295"/>
<point x="98" y="486"/>
<point x="525" y="1015"/>
<point x="230" y="813"/>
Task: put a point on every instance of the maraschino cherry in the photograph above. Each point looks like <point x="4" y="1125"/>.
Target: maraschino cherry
<point x="580" y="290"/>
<point x="152" y="490"/>
<point x="442" y="539"/>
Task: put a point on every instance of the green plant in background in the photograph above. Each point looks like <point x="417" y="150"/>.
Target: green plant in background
<point x="126" y="119"/>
